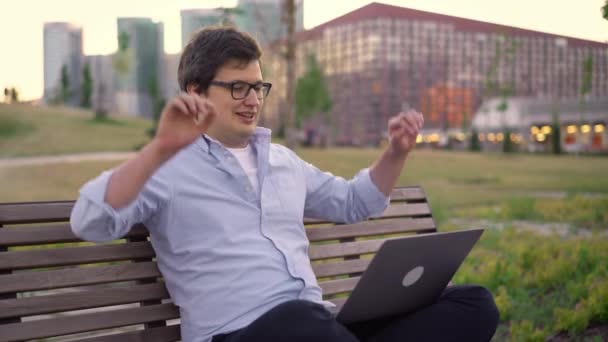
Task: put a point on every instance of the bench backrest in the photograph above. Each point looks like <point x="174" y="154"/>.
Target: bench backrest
<point x="53" y="284"/>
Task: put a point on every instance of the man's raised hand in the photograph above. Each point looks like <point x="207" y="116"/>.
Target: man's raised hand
<point x="403" y="130"/>
<point x="184" y="119"/>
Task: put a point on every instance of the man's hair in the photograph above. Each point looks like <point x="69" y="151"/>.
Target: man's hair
<point x="209" y="49"/>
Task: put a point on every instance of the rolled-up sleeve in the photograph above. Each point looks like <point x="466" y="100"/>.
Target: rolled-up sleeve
<point x="340" y="200"/>
<point x="95" y="220"/>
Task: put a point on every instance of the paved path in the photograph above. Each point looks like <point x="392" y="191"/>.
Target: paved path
<point x="65" y="158"/>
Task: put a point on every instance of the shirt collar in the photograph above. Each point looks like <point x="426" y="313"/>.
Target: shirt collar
<point x="261" y="135"/>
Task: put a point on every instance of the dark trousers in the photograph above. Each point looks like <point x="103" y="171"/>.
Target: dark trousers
<point x="462" y="313"/>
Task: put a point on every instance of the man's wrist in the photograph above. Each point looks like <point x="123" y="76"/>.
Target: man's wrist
<point x="158" y="152"/>
<point x="396" y="154"/>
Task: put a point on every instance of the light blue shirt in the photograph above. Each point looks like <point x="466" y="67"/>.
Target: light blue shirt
<point x="228" y="254"/>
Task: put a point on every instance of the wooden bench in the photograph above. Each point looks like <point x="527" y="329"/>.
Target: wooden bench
<point x="53" y="284"/>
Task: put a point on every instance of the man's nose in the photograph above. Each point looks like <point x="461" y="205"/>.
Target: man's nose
<point x="252" y="98"/>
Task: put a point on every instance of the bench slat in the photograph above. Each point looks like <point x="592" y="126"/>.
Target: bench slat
<point x="84" y="299"/>
<point x="62" y="233"/>
<point x="375" y="227"/>
<point x="21" y="236"/>
<point x="406" y="209"/>
<point x="413" y="193"/>
<point x="394" y="209"/>
<point x="73" y="324"/>
<point x="332" y="287"/>
<point x="340" y="268"/>
<point x="55" y="211"/>
<point x="33" y="281"/>
<point x="35" y="212"/>
<point x="335" y="250"/>
<point x="162" y="334"/>
<point x="75" y="255"/>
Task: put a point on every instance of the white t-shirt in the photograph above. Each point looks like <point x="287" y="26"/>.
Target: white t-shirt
<point x="249" y="163"/>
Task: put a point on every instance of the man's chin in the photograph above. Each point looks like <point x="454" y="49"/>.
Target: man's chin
<point x="247" y="131"/>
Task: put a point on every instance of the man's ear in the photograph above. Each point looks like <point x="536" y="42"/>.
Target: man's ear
<point x="192" y="89"/>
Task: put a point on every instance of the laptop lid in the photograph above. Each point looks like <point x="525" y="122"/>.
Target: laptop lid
<point x="406" y="274"/>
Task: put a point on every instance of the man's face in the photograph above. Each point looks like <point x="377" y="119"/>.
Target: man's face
<point x="236" y="120"/>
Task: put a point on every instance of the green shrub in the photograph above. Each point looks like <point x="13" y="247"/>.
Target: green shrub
<point x="581" y="211"/>
<point x="525" y="331"/>
<point x="542" y="285"/>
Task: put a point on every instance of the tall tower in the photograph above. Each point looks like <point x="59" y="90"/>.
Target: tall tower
<point x="194" y="19"/>
<point x="138" y="65"/>
<point x="62" y="47"/>
<point x="263" y="19"/>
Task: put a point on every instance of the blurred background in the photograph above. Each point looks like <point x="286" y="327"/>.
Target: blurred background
<point x="520" y="76"/>
<point x="515" y="98"/>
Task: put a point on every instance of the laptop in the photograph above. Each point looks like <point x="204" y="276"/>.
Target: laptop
<point x="407" y="274"/>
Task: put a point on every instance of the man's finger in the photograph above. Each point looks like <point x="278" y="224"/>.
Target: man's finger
<point x="420" y="120"/>
<point x="410" y="124"/>
<point x="207" y="116"/>
<point x="190" y="104"/>
<point x="394" y="123"/>
<point x="180" y="105"/>
<point x="200" y="105"/>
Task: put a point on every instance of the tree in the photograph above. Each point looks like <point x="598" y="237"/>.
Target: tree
<point x="290" y="57"/>
<point x="100" y="109"/>
<point x="14" y="95"/>
<point x="87" y="87"/>
<point x="494" y="87"/>
<point x="587" y="76"/>
<point x="556" y="136"/>
<point x="64" y="95"/>
<point x="585" y="88"/>
<point x="312" y="96"/>
<point x="7" y="94"/>
<point x="121" y="60"/>
<point x="158" y="103"/>
<point x="605" y="10"/>
<point x="475" y="146"/>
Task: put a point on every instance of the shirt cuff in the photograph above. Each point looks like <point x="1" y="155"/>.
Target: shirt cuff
<point x="374" y="200"/>
<point x="95" y="192"/>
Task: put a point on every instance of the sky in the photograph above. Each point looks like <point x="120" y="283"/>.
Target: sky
<point x="21" y="24"/>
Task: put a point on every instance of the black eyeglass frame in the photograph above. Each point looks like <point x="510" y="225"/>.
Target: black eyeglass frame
<point x="230" y="86"/>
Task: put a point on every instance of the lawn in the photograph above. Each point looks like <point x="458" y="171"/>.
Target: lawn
<point x="33" y="131"/>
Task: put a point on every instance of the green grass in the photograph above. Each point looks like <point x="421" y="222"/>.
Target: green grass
<point x="31" y="131"/>
<point x="456" y="181"/>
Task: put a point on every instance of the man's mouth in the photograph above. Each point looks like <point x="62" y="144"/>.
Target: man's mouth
<point x="247" y="115"/>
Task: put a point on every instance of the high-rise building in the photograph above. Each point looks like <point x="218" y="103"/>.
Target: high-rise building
<point x="263" y="19"/>
<point x="170" y="84"/>
<point x="194" y="19"/>
<point x="260" y="18"/>
<point x="379" y="57"/>
<point x="62" y="48"/>
<point x="138" y="65"/>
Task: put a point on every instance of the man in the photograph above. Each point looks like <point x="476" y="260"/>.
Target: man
<point x="224" y="208"/>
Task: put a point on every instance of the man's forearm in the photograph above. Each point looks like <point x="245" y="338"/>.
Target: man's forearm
<point x="127" y="181"/>
<point x="385" y="171"/>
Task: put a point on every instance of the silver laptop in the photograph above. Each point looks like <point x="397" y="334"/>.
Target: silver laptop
<point x="407" y="274"/>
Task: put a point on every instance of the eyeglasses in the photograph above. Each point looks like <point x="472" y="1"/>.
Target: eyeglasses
<point x="240" y="89"/>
